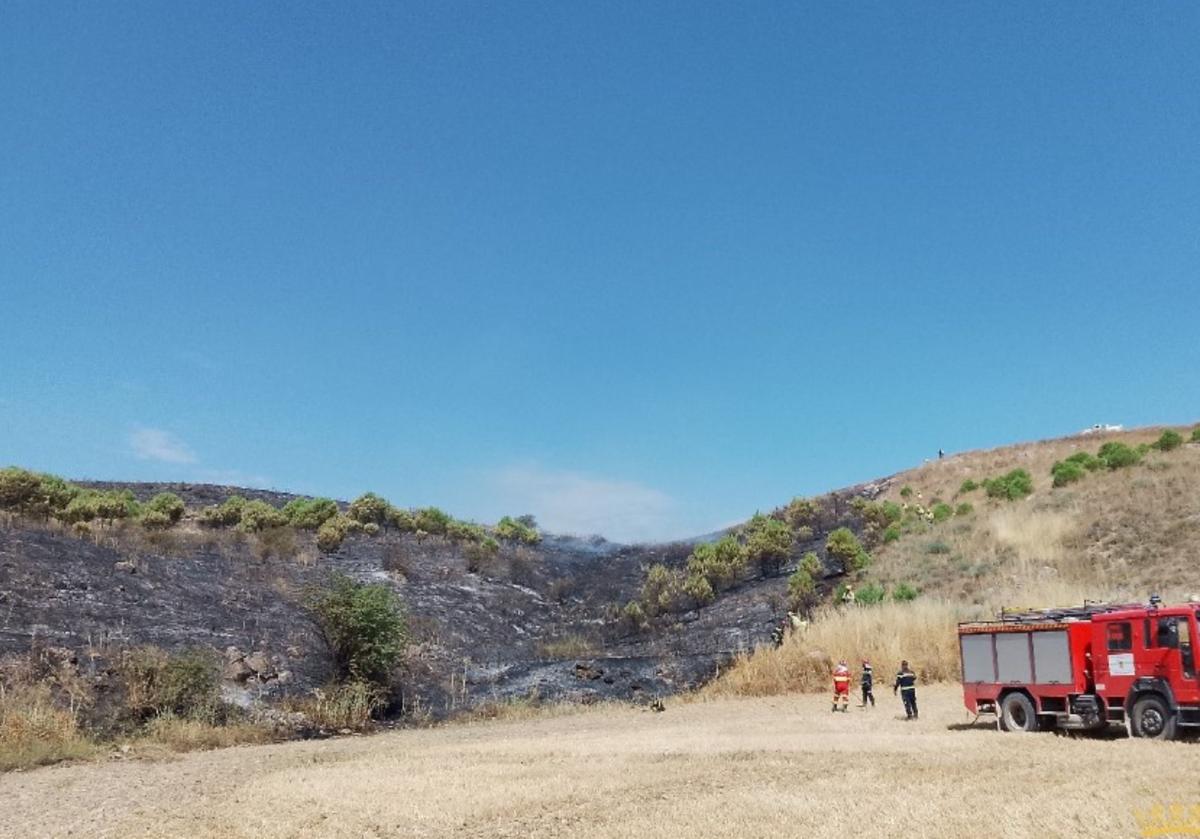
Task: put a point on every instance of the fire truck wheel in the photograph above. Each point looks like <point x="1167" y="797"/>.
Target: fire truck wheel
<point x="1017" y="713"/>
<point x="1152" y="718"/>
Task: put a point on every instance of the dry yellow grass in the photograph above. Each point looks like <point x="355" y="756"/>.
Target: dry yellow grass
<point x="1127" y="532"/>
<point x="728" y="768"/>
<point x="34" y="731"/>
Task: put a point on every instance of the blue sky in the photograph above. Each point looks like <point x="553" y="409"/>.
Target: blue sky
<point x="637" y="268"/>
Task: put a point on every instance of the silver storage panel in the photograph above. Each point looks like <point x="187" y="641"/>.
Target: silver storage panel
<point x="978" y="664"/>
<point x="1012" y="657"/>
<point x="1052" y="658"/>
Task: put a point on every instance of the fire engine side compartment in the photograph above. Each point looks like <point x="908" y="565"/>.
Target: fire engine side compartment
<point x="1045" y="660"/>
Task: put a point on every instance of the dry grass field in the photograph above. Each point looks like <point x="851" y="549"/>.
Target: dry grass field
<point x="729" y="767"/>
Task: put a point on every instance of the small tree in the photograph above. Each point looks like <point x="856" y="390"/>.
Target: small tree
<point x="768" y="543"/>
<point x="364" y="626"/>
<point x="333" y="532"/>
<point x="1118" y="455"/>
<point x="369" y="508"/>
<point x="168" y="505"/>
<point x="870" y="594"/>
<point x="843" y="546"/>
<point x="903" y="593"/>
<point x="259" y="515"/>
<point x="1170" y="440"/>
<point x="309" y="513"/>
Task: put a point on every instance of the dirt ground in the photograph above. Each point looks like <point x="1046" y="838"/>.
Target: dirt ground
<point x="775" y="767"/>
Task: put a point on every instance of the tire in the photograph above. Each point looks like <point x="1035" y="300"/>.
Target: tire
<point x="1017" y="713"/>
<point x="1152" y="719"/>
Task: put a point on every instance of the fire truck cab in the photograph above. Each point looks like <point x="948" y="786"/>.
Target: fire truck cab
<point x="1083" y="668"/>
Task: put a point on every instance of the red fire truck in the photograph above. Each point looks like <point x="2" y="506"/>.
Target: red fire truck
<point x="1085" y="667"/>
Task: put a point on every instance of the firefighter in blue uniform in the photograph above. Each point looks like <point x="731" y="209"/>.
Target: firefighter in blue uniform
<point x="906" y="685"/>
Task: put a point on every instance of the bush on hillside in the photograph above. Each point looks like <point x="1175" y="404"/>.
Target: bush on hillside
<point x="870" y="594"/>
<point x="721" y="562"/>
<point x="167" y="504"/>
<point x="1013" y="486"/>
<point x="334" y="531"/>
<point x="906" y="491"/>
<point x="1118" y="455"/>
<point x="942" y="511"/>
<point x="1066" y="472"/>
<point x="964" y="509"/>
<point x="259" y="515"/>
<point x="1196" y="434"/>
<point x="185" y="684"/>
<point x="968" y="486"/>
<point x="803" y="581"/>
<point x="891" y="534"/>
<point x="431" y="520"/>
<point x="1087" y="460"/>
<point x="903" y="593"/>
<point x="364" y="627"/>
<point x="768" y="543"/>
<point x="1169" y="441"/>
<point x="514" y="530"/>
<point x="843" y="546"/>
<point x="226" y="514"/>
<point x="369" y="508"/>
<point x="801" y="512"/>
<point x="309" y="513"/>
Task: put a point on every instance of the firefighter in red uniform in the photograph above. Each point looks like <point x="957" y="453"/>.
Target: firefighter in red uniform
<point x="841" y="685"/>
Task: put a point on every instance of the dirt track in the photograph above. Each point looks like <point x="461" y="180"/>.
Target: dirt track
<point x="775" y="767"/>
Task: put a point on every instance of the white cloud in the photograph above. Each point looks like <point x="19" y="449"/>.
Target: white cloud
<point x="156" y="444"/>
<point x="568" y="502"/>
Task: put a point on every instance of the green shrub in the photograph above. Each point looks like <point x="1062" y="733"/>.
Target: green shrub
<point x="1196" y="434"/>
<point x="1118" y="455"/>
<point x="903" y="593"/>
<point x="334" y="531"/>
<point x="964" y="509"/>
<point x="968" y="486"/>
<point x="514" y="530"/>
<point x="698" y="589"/>
<point x="633" y="617"/>
<point x="227" y="514"/>
<point x="891" y="534"/>
<point x="364" y="627"/>
<point x="368" y="508"/>
<point x="259" y="515"/>
<point x="431" y="520"/>
<point x="801" y="585"/>
<point x="870" y="594"/>
<point x="937" y="548"/>
<point x="662" y="591"/>
<point x="768" y="543"/>
<point x="1170" y="440"/>
<point x="1067" y="472"/>
<point x="843" y="546"/>
<point x="906" y="491"/>
<point x="403" y="520"/>
<point x="720" y="562"/>
<point x="168" y="504"/>
<point x="480" y="555"/>
<point x="154" y="520"/>
<point x="186" y="684"/>
<point x="942" y="511"/>
<point x="1012" y="486"/>
<point x="309" y="513"/>
<point x="801" y="512"/>
<point x="465" y="531"/>
<point x="1087" y="460"/>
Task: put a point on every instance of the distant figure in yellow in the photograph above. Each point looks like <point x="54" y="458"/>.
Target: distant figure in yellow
<point x="848" y="596"/>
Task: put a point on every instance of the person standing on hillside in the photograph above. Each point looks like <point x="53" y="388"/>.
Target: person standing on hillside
<point x="841" y="685"/>
<point x="868" y="684"/>
<point x="906" y="684"/>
